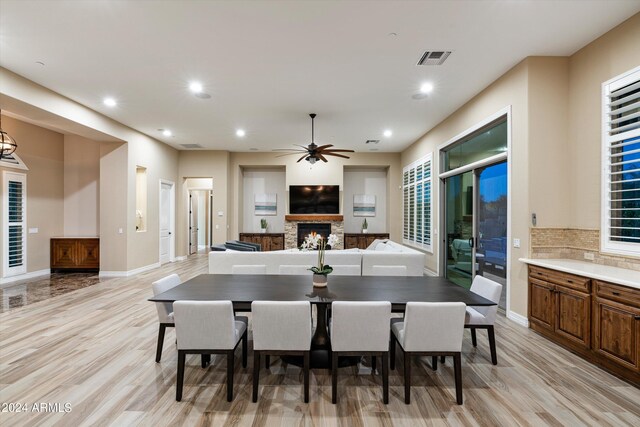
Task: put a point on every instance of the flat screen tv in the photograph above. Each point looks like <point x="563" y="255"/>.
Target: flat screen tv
<point x="314" y="199"/>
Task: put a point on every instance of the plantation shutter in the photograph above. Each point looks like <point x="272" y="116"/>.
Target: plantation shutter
<point x="416" y="196"/>
<point x="621" y="165"/>
<point x="15" y="224"/>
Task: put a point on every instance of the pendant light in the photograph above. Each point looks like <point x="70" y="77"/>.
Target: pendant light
<point x="8" y="145"/>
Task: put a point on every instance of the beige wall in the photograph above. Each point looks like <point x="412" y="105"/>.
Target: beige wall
<point x="42" y="151"/>
<point x="605" y="58"/>
<point x="81" y="186"/>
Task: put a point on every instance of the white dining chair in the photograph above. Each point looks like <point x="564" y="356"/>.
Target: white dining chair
<point x="429" y="329"/>
<point x="281" y="328"/>
<point x="165" y="309"/>
<point x="205" y="328"/>
<point x="360" y="329"/>
<point x="478" y="317"/>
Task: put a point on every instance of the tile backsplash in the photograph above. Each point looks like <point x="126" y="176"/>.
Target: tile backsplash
<point x="574" y="243"/>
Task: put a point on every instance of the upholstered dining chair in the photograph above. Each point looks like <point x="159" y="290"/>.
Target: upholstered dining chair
<point x="281" y="328"/>
<point x="484" y="317"/>
<point x="209" y="327"/>
<point x="429" y="329"/>
<point x="165" y="309"/>
<point x="360" y="329"/>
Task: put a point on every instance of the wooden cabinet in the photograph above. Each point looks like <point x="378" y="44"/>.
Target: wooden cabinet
<point x="362" y="240"/>
<point x="598" y="320"/>
<point x="559" y="305"/>
<point x="75" y="253"/>
<point x="267" y="241"/>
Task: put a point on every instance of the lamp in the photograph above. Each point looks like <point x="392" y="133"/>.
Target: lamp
<point x="311" y="159"/>
<point x="7" y="144"/>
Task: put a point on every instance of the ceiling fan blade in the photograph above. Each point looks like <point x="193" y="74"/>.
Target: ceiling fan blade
<point x="293" y="150"/>
<point x="335" y="150"/>
<point x="321" y="157"/>
<point x="337" y="155"/>
<point x="301" y="158"/>
<point x="302" y="146"/>
<point x="322" y="147"/>
<point x="288" y="154"/>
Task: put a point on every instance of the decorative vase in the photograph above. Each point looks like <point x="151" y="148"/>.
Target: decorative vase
<point x="365" y="231"/>
<point x="319" y="280"/>
<point x="263" y="230"/>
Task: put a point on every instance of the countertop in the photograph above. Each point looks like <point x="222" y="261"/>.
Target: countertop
<point x="621" y="276"/>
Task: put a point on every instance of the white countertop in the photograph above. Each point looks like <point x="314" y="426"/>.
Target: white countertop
<point x="621" y="276"/>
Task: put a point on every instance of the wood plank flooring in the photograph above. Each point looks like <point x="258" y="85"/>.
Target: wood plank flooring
<point x="94" y="348"/>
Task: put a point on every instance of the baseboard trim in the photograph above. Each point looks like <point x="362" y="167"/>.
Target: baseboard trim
<point x="518" y="318"/>
<point x="7" y="281"/>
<point x="130" y="272"/>
<point x="429" y="272"/>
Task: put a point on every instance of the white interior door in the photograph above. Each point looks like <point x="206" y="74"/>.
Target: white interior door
<point x="165" y="222"/>
<point x="193" y="223"/>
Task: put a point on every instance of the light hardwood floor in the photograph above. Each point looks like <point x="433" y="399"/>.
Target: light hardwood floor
<point x="94" y="348"/>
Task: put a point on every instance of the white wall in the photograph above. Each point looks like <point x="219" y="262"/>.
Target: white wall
<point x="371" y="181"/>
<point x="263" y="181"/>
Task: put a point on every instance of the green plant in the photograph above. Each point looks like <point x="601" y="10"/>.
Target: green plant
<point x="263" y="223"/>
<point x="365" y="225"/>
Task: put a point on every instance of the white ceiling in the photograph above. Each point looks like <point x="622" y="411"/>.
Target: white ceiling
<point x="267" y="64"/>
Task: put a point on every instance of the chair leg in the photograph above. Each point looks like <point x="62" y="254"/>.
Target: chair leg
<point x="256" y="373"/>
<point x="373" y="364"/>
<point x="385" y="378"/>
<point x="457" y="363"/>
<point x="205" y="360"/>
<point x="230" y="375"/>
<point x="334" y="377"/>
<point x="392" y="353"/>
<point x="474" y="340"/>
<point x="305" y="367"/>
<point x="434" y="363"/>
<point x="160" y="342"/>
<point x="180" y="376"/>
<point x="492" y="344"/>
<point x="407" y="378"/>
<point x="267" y="361"/>
<point x="245" y="341"/>
<point x="442" y="359"/>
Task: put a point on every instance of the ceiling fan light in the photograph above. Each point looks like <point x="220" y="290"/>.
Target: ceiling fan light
<point x="311" y="159"/>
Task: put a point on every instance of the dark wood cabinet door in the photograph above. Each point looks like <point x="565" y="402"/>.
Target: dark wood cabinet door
<point x="542" y="304"/>
<point x="350" y="241"/>
<point x="63" y="253"/>
<point x="573" y="315"/>
<point x="277" y="243"/>
<point x="617" y="332"/>
<point x="265" y="242"/>
<point x="88" y="253"/>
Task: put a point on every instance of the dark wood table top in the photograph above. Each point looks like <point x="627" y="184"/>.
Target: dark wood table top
<point x="243" y="289"/>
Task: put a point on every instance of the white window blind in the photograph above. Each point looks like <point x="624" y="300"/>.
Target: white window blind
<point x="620" y="229"/>
<point x="416" y="194"/>
<point x="14" y="224"/>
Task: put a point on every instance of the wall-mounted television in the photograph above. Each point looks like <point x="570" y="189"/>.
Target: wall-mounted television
<point x="314" y="199"/>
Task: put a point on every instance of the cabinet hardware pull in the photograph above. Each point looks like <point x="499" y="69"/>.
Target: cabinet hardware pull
<point x="616" y="293"/>
<point x="636" y="317"/>
<point x="569" y="281"/>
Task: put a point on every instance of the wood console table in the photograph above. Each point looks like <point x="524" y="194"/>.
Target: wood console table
<point x="75" y="253"/>
<point x="362" y="240"/>
<point x="268" y="241"/>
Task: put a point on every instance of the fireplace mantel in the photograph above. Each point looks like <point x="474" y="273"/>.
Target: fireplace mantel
<point x="314" y="217"/>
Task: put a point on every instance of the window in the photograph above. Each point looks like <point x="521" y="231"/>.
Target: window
<point x="416" y="194"/>
<point x="15" y="224"/>
<point x="620" y="231"/>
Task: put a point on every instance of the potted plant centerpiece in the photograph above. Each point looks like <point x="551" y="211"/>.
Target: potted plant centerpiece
<point x="365" y="226"/>
<point x="263" y="225"/>
<point x="315" y="241"/>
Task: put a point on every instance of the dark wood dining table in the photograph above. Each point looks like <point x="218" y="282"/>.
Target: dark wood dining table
<point x="242" y="290"/>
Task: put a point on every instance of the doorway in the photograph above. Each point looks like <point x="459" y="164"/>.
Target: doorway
<point x="167" y="222"/>
<point x="475" y="206"/>
<point x="199" y="214"/>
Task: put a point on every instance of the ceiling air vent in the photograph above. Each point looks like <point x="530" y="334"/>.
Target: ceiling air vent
<point x="372" y="141"/>
<point x="191" y="145"/>
<point x="434" y="57"/>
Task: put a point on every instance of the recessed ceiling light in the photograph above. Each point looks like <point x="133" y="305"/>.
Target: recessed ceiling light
<point x="40" y="63"/>
<point x="240" y="133"/>
<point x="426" y="88"/>
<point x="388" y="133"/>
<point x="109" y="102"/>
<point x="167" y="132"/>
<point x="195" y="87"/>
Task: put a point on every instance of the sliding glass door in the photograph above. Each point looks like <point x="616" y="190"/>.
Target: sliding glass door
<point x="459" y="227"/>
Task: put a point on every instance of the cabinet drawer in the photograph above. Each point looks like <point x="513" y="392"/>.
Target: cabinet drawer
<point x="563" y="279"/>
<point x="618" y="293"/>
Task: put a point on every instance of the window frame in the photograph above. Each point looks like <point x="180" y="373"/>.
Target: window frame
<point x="8" y="271"/>
<point x="414" y="189"/>
<point x="607" y="245"/>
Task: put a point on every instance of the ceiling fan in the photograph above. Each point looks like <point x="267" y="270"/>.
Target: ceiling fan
<point x="313" y="152"/>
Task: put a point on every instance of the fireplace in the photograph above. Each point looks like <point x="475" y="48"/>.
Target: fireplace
<point x="306" y="228"/>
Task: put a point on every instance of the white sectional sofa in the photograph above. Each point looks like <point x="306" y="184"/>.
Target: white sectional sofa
<point x="382" y="258"/>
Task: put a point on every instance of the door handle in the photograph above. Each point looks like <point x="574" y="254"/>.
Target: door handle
<point x="169" y="233"/>
<point x="471" y="242"/>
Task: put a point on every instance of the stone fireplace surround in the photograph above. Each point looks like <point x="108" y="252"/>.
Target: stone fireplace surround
<point x="291" y="228"/>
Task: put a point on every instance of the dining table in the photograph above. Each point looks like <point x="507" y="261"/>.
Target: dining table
<point x="243" y="289"/>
